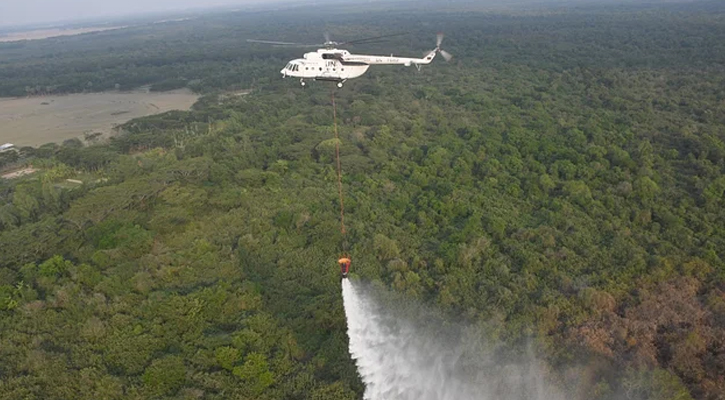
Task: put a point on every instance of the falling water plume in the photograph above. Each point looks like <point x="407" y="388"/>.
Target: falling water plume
<point x="403" y="352"/>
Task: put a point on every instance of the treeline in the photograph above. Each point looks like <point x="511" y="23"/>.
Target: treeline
<point x="574" y="205"/>
<point x="210" y="53"/>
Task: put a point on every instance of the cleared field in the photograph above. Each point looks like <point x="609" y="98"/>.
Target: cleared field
<point x="38" y="120"/>
<point x="54" y="32"/>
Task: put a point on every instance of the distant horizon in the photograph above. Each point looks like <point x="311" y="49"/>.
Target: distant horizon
<point x="16" y="17"/>
<point x="40" y="14"/>
<point x="63" y="12"/>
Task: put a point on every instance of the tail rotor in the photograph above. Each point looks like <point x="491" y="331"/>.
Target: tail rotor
<point x="446" y="55"/>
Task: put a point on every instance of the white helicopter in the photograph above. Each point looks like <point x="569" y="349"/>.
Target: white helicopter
<point x="337" y="65"/>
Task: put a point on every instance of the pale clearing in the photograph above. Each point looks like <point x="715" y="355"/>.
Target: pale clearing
<point x="35" y="121"/>
<point x="52" y="32"/>
<point x="19" y="173"/>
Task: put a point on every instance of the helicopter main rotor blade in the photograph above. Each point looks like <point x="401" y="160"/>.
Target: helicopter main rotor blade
<point x="282" y="43"/>
<point x="372" y="39"/>
<point x="271" y="42"/>
<point x="362" y="43"/>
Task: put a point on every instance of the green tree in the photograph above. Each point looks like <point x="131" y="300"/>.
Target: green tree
<point x="165" y="376"/>
<point x="255" y="373"/>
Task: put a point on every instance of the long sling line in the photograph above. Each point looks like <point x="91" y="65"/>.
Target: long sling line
<point x="339" y="172"/>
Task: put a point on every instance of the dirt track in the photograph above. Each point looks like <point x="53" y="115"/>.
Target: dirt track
<point x="38" y="120"/>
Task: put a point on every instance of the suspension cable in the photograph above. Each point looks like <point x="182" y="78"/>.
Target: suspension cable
<point x="339" y="171"/>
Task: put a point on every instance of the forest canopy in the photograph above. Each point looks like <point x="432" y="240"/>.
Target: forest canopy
<point x="560" y="179"/>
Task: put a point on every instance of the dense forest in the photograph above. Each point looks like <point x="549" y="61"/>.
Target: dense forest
<point x="559" y="182"/>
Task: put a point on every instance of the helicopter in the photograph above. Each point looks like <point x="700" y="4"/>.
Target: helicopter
<point x="337" y="65"/>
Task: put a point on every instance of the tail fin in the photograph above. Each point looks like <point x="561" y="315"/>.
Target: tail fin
<point x="428" y="58"/>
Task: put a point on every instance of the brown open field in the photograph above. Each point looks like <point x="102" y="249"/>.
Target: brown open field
<point x="53" y="32"/>
<point x="38" y="120"/>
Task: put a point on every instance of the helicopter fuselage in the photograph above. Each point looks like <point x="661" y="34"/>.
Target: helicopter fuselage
<point x="339" y="65"/>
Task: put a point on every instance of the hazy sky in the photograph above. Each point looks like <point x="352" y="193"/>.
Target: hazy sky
<point x="17" y="12"/>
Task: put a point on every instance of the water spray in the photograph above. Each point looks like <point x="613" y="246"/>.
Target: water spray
<point x="403" y="354"/>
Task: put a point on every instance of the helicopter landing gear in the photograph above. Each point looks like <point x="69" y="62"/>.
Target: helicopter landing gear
<point x="302" y="82"/>
<point x="339" y="84"/>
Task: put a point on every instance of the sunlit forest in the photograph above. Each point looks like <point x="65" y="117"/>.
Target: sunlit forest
<point x="559" y="183"/>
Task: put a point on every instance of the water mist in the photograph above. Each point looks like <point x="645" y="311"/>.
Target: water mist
<point x="403" y="352"/>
